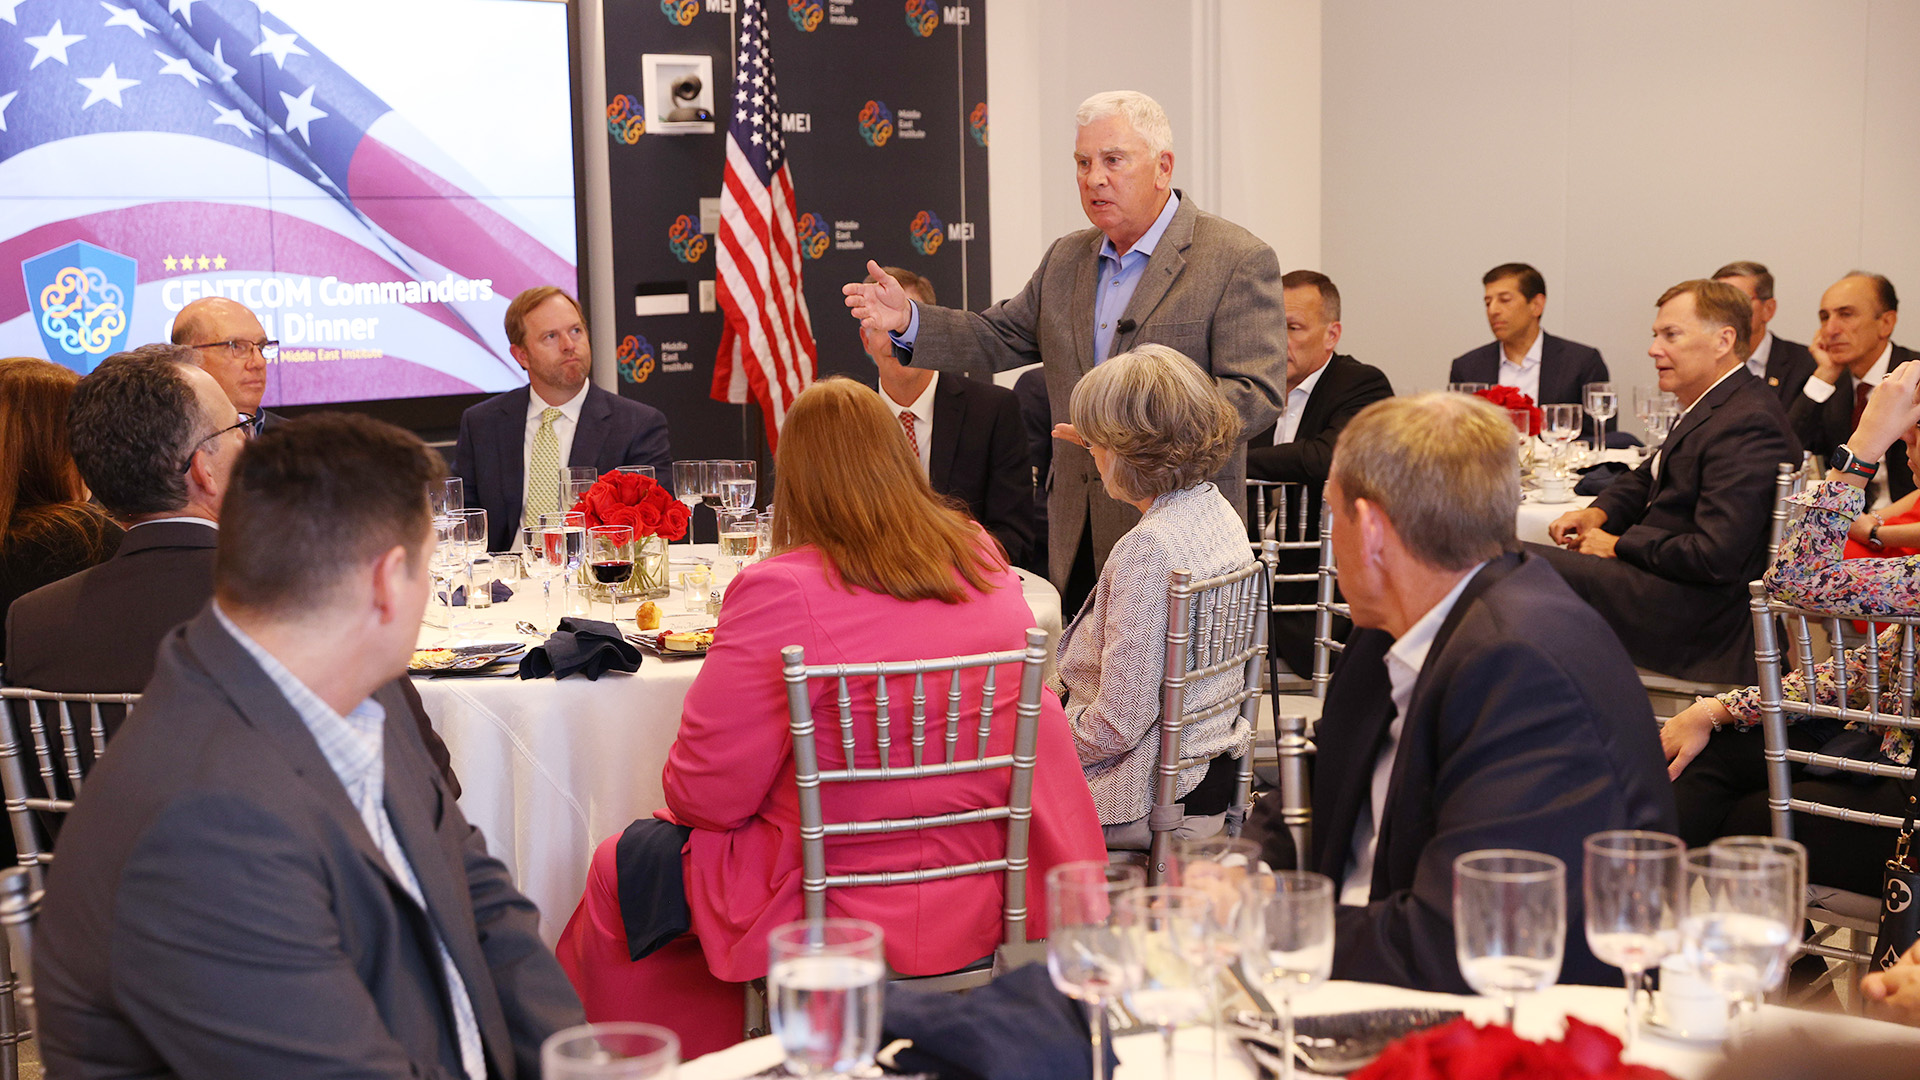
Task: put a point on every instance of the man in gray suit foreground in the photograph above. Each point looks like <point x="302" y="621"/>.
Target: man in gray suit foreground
<point x="1154" y="268"/>
<point x="265" y="877"/>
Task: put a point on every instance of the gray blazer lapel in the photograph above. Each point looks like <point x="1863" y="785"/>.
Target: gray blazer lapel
<point x="1081" y="310"/>
<point x="1168" y="260"/>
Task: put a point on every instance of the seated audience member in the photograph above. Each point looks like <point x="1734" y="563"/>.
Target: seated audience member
<point x="228" y="341"/>
<point x="1479" y="704"/>
<point x="966" y="433"/>
<point x="512" y="446"/>
<point x="1783" y="365"/>
<point x="266" y="877"/>
<point x="1853" y="351"/>
<point x="1522" y="355"/>
<point x="1715" y="746"/>
<point x="1666" y="551"/>
<point x="48" y="529"/>
<point x="1325" y="389"/>
<point x="156" y="439"/>
<point x="1157" y="429"/>
<point x="869" y="565"/>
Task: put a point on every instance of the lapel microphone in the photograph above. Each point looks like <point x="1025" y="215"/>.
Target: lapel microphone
<point x="1126" y="326"/>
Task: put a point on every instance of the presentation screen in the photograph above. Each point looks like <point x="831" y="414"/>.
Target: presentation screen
<point x="375" y="179"/>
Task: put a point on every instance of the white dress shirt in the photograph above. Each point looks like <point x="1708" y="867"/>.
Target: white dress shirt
<point x="1757" y="363"/>
<point x="1821" y="390"/>
<point x="563" y="429"/>
<point x="1524" y="376"/>
<point x="922" y="410"/>
<point x="1289" y="425"/>
<point x="1404" y="661"/>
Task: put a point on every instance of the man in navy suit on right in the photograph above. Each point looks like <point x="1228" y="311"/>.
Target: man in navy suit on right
<point x="1522" y="355"/>
<point x="512" y="446"/>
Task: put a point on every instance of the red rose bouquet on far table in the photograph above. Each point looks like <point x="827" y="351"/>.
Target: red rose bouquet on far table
<point x="639" y="502"/>
<point x="1463" y="1050"/>
<point x="1508" y="397"/>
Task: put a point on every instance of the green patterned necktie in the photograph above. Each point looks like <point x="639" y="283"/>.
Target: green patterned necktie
<point x="543" y="470"/>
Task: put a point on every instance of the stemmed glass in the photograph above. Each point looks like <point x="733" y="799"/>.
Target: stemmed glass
<point x="1509" y="922"/>
<point x="1089" y="958"/>
<point x="1602" y="404"/>
<point x="690" y="479"/>
<point x="1794" y="851"/>
<point x="610" y="551"/>
<point x="825" y="978"/>
<point x="1632" y="882"/>
<point x="638" y="470"/>
<point x="1166" y="926"/>
<point x="1523" y="423"/>
<point x="444" y="563"/>
<point x="575" y="481"/>
<point x="1559" y="424"/>
<point x="543" y="561"/>
<point x="445" y="495"/>
<point x="1741" y="915"/>
<point x="735" y="483"/>
<point x="1286" y="938"/>
<point x="469" y="540"/>
<point x="565" y="534"/>
<point x="1220" y="866"/>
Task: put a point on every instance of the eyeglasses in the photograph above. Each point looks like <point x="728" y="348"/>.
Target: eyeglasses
<point x="238" y="348"/>
<point x="244" y="426"/>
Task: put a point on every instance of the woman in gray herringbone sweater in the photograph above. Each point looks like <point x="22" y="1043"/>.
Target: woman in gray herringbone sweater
<point x="1157" y="428"/>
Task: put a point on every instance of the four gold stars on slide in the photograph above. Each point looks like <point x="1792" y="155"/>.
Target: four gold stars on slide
<point x="189" y="262"/>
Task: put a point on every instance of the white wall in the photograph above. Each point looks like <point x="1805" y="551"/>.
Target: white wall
<point x="1620" y="148"/>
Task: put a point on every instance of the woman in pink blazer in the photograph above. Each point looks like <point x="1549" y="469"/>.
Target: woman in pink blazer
<point x="870" y="565"/>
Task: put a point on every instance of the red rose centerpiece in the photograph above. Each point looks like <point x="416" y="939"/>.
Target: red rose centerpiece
<point x="639" y="502"/>
<point x="1510" y="398"/>
<point x="1463" y="1050"/>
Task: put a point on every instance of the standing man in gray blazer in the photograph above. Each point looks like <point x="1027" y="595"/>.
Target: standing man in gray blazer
<point x="1154" y="268"/>
<point x="267" y="877"/>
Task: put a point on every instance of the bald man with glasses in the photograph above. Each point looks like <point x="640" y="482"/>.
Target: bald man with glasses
<point x="229" y="343"/>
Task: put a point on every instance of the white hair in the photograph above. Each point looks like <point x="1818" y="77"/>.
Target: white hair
<point x="1148" y="119"/>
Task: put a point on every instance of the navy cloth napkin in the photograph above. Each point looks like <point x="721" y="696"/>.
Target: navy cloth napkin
<point x="500" y="592"/>
<point x="1595" y="480"/>
<point x="652" y="886"/>
<point x="1018" y="1027"/>
<point x="581" y="646"/>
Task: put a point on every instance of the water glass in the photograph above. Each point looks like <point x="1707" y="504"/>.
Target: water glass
<point x="824" y="980"/>
<point x="537" y="543"/>
<point x="1223" y="867"/>
<point x="469" y="539"/>
<point x="1559" y="424"/>
<point x="610" y="553"/>
<point x="620" y="1050"/>
<point x="565" y="533"/>
<point x="1467" y="387"/>
<point x="1286" y="938"/>
<point x="1741" y="915"/>
<point x="1090" y="959"/>
<point x="735" y="483"/>
<point x="1632" y="882"/>
<point x="445" y="495"/>
<point x="690" y="479"/>
<point x="1167" y="928"/>
<point x="1602" y="403"/>
<point x="1509" y="922"/>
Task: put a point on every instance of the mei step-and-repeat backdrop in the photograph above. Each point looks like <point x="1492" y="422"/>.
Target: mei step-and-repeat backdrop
<point x="885" y="118"/>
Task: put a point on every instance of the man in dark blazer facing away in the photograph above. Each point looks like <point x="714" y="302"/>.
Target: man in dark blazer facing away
<point x="1325" y="389"/>
<point x="1154" y="268"/>
<point x="267" y="877"/>
<point x="1783" y="365"/>
<point x="1547" y="369"/>
<point x="967" y="433"/>
<point x="1853" y="351"/>
<point x="1480" y="704"/>
<point x="1666" y="552"/>
<point x="511" y="447"/>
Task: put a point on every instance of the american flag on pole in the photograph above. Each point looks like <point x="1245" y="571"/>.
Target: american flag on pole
<point x="767" y="346"/>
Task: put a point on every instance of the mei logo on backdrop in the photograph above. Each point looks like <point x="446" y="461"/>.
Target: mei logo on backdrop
<point x="927" y="232"/>
<point x="923" y="17"/>
<point x="680" y="12"/>
<point x="806" y="14"/>
<point x="813" y="235"/>
<point x="876" y="123"/>
<point x="82" y="300"/>
<point x="635" y="355"/>
<point x="686" y="239"/>
<point x="625" y="121"/>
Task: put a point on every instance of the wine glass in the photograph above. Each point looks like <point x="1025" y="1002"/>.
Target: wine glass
<point x="1509" y="922"/>
<point x="1286" y="938"/>
<point x="447" y="494"/>
<point x="1793" y="850"/>
<point x="1740" y="921"/>
<point x="444" y="562"/>
<point x="1632" y="881"/>
<point x="1602" y="404"/>
<point x="689" y="480"/>
<point x="639" y="470"/>
<point x="610" y="1050"/>
<point x="544" y="561"/>
<point x="469" y="540"/>
<point x="610" y="553"/>
<point x="1166" y="926"/>
<point x="735" y="483"/>
<point x="825" y="979"/>
<point x="1559" y="424"/>
<point x="1220" y="866"/>
<point x="1089" y="958"/>
<point x="566" y="537"/>
<point x="1523" y="423"/>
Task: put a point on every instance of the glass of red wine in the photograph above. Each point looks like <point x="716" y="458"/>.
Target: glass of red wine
<point x="610" y="554"/>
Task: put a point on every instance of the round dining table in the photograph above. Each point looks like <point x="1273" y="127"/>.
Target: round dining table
<point x="550" y="767"/>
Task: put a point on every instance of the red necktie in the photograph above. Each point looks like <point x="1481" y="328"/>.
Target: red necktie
<point x="1861" y="392"/>
<point x="906" y="421"/>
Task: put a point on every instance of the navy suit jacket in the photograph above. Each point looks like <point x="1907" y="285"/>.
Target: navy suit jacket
<point x="977" y="453"/>
<point x="1566" y="367"/>
<point x="491" y="456"/>
<point x="1823" y="425"/>
<point x="1513" y="738"/>
<point x="1346" y="386"/>
<point x="1789" y="366"/>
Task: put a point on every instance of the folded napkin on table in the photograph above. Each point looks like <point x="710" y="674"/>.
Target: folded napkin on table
<point x="1018" y="1027"/>
<point x="585" y="646"/>
<point x="1595" y="480"/>
<point x="500" y="593"/>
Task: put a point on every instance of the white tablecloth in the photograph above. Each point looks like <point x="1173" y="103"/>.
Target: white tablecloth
<point x="1531" y="522"/>
<point x="549" y="768"/>
<point x="1541" y="1016"/>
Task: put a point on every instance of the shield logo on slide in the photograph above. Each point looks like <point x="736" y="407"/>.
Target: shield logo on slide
<point x="81" y="296"/>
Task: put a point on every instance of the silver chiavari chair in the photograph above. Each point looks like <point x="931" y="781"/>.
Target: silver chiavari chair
<point x="20" y="893"/>
<point x="1213" y="626"/>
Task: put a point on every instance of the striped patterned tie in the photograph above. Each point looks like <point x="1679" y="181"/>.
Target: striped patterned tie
<point x="543" y="471"/>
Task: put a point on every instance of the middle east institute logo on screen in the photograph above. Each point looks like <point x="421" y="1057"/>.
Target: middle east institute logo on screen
<point x="81" y="296"/>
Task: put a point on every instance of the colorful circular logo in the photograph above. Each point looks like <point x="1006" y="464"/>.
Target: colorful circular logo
<point x="635" y="355"/>
<point x="686" y="239"/>
<point x="814" y="237"/>
<point x="876" y="123"/>
<point x="806" y="14"/>
<point x="928" y="232"/>
<point x="624" y="120"/>
<point x="923" y="17"/>
<point x="977" y="123"/>
<point x="679" y="12"/>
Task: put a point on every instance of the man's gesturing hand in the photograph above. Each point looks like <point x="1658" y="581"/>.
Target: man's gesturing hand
<point x="882" y="305"/>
